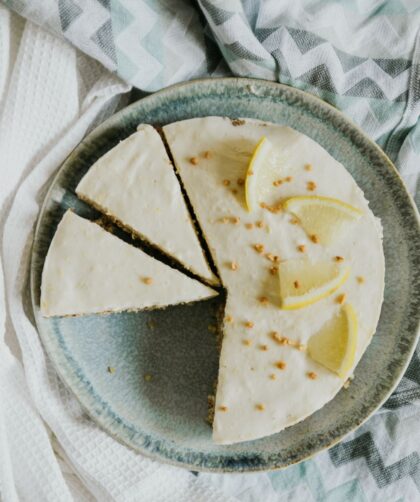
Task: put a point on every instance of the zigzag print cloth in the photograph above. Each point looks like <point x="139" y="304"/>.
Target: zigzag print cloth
<point x="362" y="56"/>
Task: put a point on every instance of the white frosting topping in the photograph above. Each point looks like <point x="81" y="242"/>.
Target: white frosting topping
<point x="245" y="367"/>
<point x="136" y="184"/>
<point x="88" y="270"/>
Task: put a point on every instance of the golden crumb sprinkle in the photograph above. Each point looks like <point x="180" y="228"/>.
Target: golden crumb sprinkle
<point x="263" y="205"/>
<point x="223" y="408"/>
<point x="277" y="183"/>
<point x="226" y="183"/>
<point x="360" y="279"/>
<point x="294" y="221"/>
<point x="338" y="258"/>
<point x="301" y="248"/>
<point x="229" y="318"/>
<point x="263" y="300"/>
<point x="260" y="407"/>
<point x="263" y="347"/>
<point x="311" y="186"/>
<point x="247" y="342"/>
<point x="296" y="284"/>
<point x="272" y="257"/>
<point x="301" y="347"/>
<point x="341" y="299"/>
<point x="240" y="181"/>
<point x="281" y="365"/>
<point x="273" y="376"/>
<point x="207" y="154"/>
<point x="259" y="248"/>
<point x="259" y="224"/>
<point x="148" y="377"/>
<point x="249" y="324"/>
<point x="314" y="238"/>
<point x="235" y="220"/>
<point x="312" y="375"/>
<point x="288" y="179"/>
<point x="249" y="226"/>
<point x="225" y="220"/>
<point x="234" y="191"/>
<point x="147" y="280"/>
<point x="111" y="370"/>
<point x="234" y="265"/>
<point x="194" y="161"/>
<point x="308" y="167"/>
<point x="274" y="270"/>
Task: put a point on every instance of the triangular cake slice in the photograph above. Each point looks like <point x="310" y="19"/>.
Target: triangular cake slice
<point x="267" y="380"/>
<point x="88" y="270"/>
<point x="135" y="184"/>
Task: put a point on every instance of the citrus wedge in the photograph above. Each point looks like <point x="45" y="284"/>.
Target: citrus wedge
<point x="303" y="283"/>
<point x="325" y="217"/>
<point x="260" y="159"/>
<point x="334" y="346"/>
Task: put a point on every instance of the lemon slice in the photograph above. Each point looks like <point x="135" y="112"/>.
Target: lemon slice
<point x="325" y="217"/>
<point x="334" y="346"/>
<point x="303" y="283"/>
<point x="259" y="160"/>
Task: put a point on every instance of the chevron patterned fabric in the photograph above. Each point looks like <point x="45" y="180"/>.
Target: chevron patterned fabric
<point x="362" y="56"/>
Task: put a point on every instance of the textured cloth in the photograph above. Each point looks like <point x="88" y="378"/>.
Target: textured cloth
<point x="363" y="57"/>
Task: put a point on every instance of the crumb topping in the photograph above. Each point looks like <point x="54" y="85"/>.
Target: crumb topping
<point x="223" y="408"/>
<point x="259" y="224"/>
<point x="314" y="238"/>
<point x="194" y="161"/>
<point x="312" y="375"/>
<point x="226" y="183"/>
<point x="234" y="266"/>
<point x="301" y="248"/>
<point x="311" y="186"/>
<point x="296" y="284"/>
<point x="274" y="270"/>
<point x="247" y="342"/>
<point x="360" y="279"/>
<point x="147" y="280"/>
<point x="249" y="324"/>
<point x="260" y="407"/>
<point x="240" y="181"/>
<point x="249" y="226"/>
<point x="259" y="248"/>
<point x="207" y="154"/>
<point x="308" y="167"/>
<point x="263" y="300"/>
<point x="338" y="258"/>
<point x="272" y="376"/>
<point x="341" y="299"/>
<point x="281" y="365"/>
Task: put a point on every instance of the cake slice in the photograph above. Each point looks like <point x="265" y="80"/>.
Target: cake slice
<point x="267" y="378"/>
<point x="88" y="270"/>
<point x="135" y="185"/>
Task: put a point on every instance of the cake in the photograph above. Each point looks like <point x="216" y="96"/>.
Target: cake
<point x="296" y="246"/>
<point x="89" y="270"/>
<point x="257" y="218"/>
<point x="135" y="185"/>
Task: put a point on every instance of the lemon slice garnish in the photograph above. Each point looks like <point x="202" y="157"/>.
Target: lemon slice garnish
<point x="334" y="346"/>
<point x="303" y="283"/>
<point x="325" y="217"/>
<point x="259" y="160"/>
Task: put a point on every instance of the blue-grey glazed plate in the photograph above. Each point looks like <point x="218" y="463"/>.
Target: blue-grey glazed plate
<point x="165" y="418"/>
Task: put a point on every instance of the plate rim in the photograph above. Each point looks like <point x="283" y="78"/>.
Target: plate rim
<point x="97" y="417"/>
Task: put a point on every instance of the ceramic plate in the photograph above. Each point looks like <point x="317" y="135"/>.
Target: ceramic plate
<point x="165" y="418"/>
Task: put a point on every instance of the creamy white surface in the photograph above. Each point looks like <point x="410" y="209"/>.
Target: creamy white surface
<point x="136" y="184"/>
<point x="244" y="370"/>
<point x="88" y="270"/>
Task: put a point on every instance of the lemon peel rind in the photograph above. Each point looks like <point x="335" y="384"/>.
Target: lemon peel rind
<point x="340" y="280"/>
